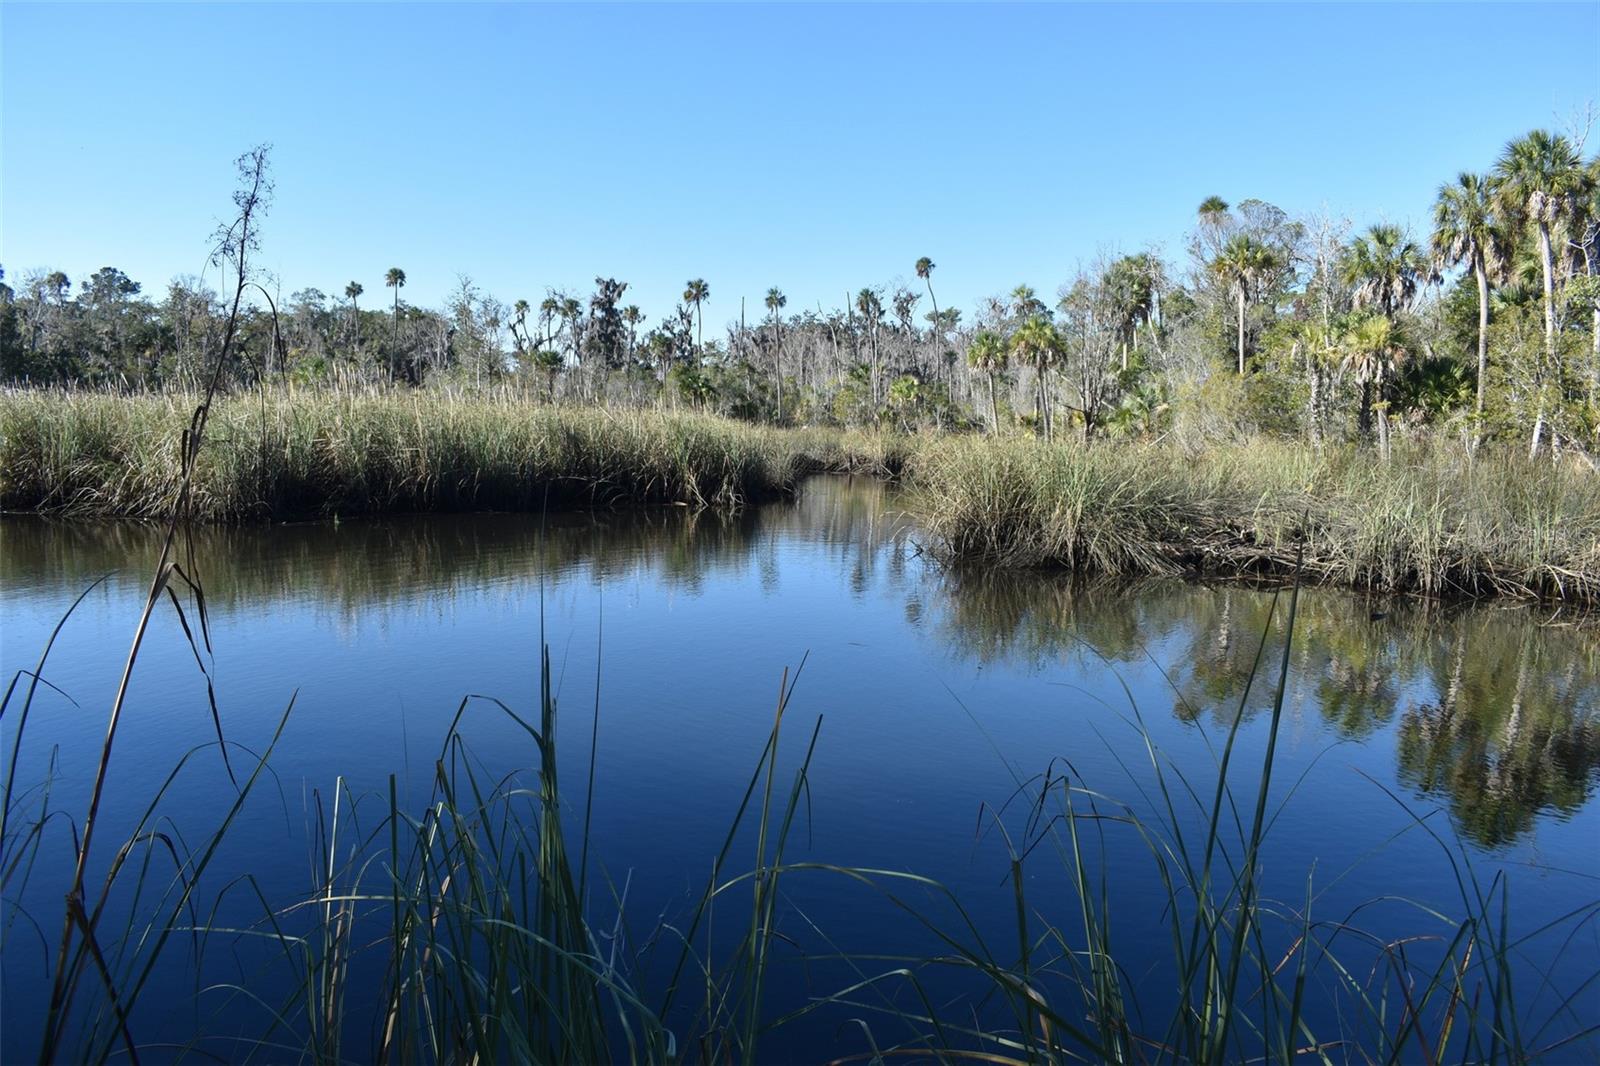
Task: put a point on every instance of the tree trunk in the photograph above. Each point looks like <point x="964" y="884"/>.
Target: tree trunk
<point x="1483" y="332"/>
<point x="1383" y="429"/>
<point x="877" y="391"/>
<point x="1594" y="330"/>
<point x="1314" y="404"/>
<point x="1241" y="331"/>
<point x="1549" y="332"/>
<point x="994" y="409"/>
<point x="1364" y="417"/>
<point x="1594" y="355"/>
<point x="1549" y="295"/>
<point x="1044" y="403"/>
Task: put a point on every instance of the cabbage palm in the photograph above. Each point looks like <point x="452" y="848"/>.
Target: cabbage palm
<point x="1241" y="265"/>
<point x="551" y="363"/>
<point x="1131" y="284"/>
<point x="549" y="311"/>
<point x="571" y="312"/>
<point x="1025" y="303"/>
<point x="1040" y="345"/>
<point x="1385" y="269"/>
<point x="776" y="302"/>
<point x="396" y="280"/>
<point x="696" y="293"/>
<point x="1467" y="233"/>
<point x="519" y="324"/>
<point x="633" y="316"/>
<point x="925" y="272"/>
<point x="988" y="355"/>
<point x="1371" y="348"/>
<point x="352" y="291"/>
<point x="1539" y="179"/>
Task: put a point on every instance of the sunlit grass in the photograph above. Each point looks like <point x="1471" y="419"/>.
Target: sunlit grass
<point x="1433" y="521"/>
<point x="329" y="453"/>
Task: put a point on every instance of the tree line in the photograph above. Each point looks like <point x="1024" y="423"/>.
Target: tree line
<point x="1488" y="326"/>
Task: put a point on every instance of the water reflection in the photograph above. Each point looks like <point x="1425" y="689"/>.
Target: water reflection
<point x="1498" y="714"/>
<point x="1489" y="711"/>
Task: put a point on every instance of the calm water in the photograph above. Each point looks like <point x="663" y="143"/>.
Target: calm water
<point x="938" y="694"/>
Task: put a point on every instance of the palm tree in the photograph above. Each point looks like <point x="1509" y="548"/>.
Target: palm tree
<point x="775" y="302"/>
<point x="519" y="325"/>
<point x="988" y="355"/>
<point x="925" y="272"/>
<point x="1241" y="264"/>
<point x="571" y="312"/>
<point x="1465" y="231"/>
<point x="1130" y="283"/>
<point x="551" y="363"/>
<point x="632" y="316"/>
<point x="1215" y="225"/>
<point x="1025" y="303"/>
<point x="1213" y="210"/>
<point x="549" y="311"/>
<point x="396" y="280"/>
<point x="1540" y="179"/>
<point x="352" y="291"/>
<point x="1385" y="269"/>
<point x="1039" y="345"/>
<point x="696" y="293"/>
<point x="1371" y="348"/>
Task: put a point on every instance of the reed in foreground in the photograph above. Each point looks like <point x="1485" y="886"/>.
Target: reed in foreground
<point x="480" y="927"/>
<point x="1433" y="522"/>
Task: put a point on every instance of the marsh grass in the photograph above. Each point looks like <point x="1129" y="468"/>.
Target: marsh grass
<point x="324" y="453"/>
<point x="1432" y="521"/>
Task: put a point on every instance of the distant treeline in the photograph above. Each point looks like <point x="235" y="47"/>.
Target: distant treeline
<point x="1488" y="326"/>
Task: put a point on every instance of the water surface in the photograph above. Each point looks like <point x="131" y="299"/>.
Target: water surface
<point x="939" y="693"/>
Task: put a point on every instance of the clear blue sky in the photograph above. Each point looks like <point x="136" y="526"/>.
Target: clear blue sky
<point x="812" y="147"/>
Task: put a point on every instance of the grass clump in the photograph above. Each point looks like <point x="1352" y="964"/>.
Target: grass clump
<point x="1433" y="522"/>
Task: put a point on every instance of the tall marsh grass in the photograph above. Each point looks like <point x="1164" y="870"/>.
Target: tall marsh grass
<point x="1433" y="521"/>
<point x="1436" y="521"/>
<point x="329" y="453"/>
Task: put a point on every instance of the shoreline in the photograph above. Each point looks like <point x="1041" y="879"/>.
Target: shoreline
<point x="1432" y="522"/>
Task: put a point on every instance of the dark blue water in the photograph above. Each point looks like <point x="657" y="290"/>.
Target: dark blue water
<point x="1413" y="738"/>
